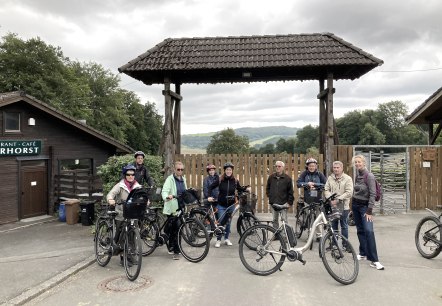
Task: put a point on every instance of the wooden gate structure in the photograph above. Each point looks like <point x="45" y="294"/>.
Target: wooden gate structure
<point x="210" y="60"/>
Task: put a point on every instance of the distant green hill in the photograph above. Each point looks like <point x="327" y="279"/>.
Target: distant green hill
<point x="257" y="136"/>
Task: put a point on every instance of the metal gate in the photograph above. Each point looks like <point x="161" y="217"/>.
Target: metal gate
<point x="390" y="168"/>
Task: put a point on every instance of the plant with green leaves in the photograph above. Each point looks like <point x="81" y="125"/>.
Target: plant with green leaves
<point x="110" y="172"/>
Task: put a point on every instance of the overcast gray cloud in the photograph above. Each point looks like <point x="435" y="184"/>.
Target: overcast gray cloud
<point x="405" y="34"/>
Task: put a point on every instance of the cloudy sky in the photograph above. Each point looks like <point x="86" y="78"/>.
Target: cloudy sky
<point x="406" y="35"/>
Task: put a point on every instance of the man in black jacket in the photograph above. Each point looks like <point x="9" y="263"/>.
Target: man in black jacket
<point x="279" y="191"/>
<point x="142" y="175"/>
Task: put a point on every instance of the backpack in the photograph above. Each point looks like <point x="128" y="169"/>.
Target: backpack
<point x="378" y="195"/>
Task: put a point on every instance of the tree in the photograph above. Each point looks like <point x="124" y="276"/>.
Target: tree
<point x="227" y="142"/>
<point x="285" y="145"/>
<point x="307" y="137"/>
<point x="81" y="90"/>
<point x="370" y="135"/>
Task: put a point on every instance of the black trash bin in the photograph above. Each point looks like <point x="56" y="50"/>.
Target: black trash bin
<point x="87" y="212"/>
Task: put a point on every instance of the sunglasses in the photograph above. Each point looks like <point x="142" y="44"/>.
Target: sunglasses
<point x="180" y="169"/>
<point x="278" y="166"/>
<point x="127" y="174"/>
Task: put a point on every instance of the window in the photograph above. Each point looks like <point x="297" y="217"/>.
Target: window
<point x="12" y="122"/>
<point x="76" y="165"/>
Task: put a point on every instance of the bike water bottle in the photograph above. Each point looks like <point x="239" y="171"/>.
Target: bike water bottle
<point x="290" y="235"/>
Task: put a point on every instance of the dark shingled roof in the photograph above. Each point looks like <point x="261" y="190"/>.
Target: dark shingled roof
<point x="251" y="59"/>
<point x="430" y="111"/>
<point x="8" y="98"/>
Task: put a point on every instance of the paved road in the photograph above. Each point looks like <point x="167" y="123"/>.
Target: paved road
<point x="221" y="279"/>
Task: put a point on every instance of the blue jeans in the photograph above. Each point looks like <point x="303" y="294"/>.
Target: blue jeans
<point x="365" y="230"/>
<point x="344" y="223"/>
<point x="222" y="213"/>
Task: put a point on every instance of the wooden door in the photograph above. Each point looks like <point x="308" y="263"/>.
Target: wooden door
<point x="34" y="189"/>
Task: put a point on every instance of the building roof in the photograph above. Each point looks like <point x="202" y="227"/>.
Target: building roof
<point x="17" y="96"/>
<point x="430" y="111"/>
<point x="250" y="59"/>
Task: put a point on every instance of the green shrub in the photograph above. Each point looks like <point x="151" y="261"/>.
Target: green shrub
<point x="110" y="172"/>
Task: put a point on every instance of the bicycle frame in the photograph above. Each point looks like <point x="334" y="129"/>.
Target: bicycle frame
<point x="320" y="220"/>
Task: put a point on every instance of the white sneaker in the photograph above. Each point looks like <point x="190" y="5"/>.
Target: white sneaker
<point x="227" y="242"/>
<point x="361" y="257"/>
<point x="217" y="243"/>
<point x="377" y="265"/>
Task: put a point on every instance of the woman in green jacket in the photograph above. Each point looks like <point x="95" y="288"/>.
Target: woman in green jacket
<point x="173" y="187"/>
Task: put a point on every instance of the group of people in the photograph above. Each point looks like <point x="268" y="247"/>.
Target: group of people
<point x="220" y="190"/>
<point x="361" y="193"/>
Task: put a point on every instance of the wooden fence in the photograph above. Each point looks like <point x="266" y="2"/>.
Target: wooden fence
<point x="250" y="169"/>
<point x="74" y="184"/>
<point x="425" y="177"/>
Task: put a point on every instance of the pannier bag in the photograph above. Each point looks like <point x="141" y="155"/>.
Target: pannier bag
<point x="191" y="196"/>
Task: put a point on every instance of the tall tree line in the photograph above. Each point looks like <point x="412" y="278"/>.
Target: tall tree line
<point x="81" y="90"/>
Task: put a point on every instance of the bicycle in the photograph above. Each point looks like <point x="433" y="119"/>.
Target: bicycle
<point x="307" y="215"/>
<point x="270" y="248"/>
<point x="428" y="235"/>
<point x="193" y="239"/>
<point x="105" y="247"/>
<point x="216" y="226"/>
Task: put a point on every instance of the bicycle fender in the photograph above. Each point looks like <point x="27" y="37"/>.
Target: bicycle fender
<point x="433" y="213"/>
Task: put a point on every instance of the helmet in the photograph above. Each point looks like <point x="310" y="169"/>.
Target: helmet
<point x="139" y="153"/>
<point x="311" y="160"/>
<point x="228" y="165"/>
<point x="128" y="167"/>
<point x="211" y="166"/>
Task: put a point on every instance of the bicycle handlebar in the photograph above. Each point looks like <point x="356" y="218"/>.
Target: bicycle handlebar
<point x="318" y="186"/>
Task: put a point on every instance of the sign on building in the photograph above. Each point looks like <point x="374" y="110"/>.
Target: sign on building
<point x="20" y="147"/>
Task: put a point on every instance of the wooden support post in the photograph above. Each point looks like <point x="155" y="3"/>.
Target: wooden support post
<point x="167" y="148"/>
<point x="177" y="119"/>
<point x="330" y="132"/>
<point x="322" y="117"/>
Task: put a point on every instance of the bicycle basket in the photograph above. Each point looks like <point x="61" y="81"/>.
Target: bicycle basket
<point x="155" y="195"/>
<point x="247" y="202"/>
<point x="136" y="204"/>
<point x="334" y="213"/>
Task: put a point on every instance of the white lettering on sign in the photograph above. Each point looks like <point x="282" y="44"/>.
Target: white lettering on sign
<point x="34" y="183"/>
<point x="20" y="147"/>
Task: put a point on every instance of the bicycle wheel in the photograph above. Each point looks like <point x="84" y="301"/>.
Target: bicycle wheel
<point x="103" y="242"/>
<point x="428" y="237"/>
<point x="149" y="233"/>
<point x="132" y="253"/>
<point x="205" y="220"/>
<point x="245" y="221"/>
<point x="193" y="240"/>
<point x="341" y="263"/>
<point x="300" y="222"/>
<point x="266" y="255"/>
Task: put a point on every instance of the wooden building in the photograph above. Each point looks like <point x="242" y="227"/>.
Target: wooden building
<point x="429" y="113"/>
<point x="37" y="143"/>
